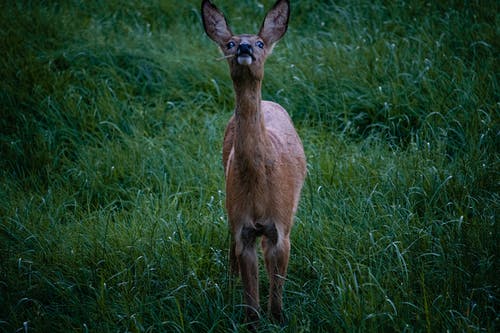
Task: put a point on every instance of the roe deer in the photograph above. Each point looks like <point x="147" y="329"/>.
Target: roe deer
<point x="263" y="158"/>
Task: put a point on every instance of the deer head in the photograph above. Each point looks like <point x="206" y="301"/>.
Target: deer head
<point x="246" y="54"/>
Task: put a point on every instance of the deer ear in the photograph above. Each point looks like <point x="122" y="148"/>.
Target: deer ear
<point x="214" y="23"/>
<point x="276" y="22"/>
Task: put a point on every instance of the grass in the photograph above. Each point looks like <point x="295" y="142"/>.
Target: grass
<point x="112" y="191"/>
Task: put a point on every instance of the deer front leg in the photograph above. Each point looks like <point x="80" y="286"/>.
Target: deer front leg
<point x="276" y="249"/>
<point x="246" y="255"/>
<point x="233" y="260"/>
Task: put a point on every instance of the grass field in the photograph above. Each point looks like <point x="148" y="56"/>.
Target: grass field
<point x="111" y="184"/>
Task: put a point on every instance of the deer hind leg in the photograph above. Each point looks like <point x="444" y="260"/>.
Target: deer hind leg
<point x="276" y="248"/>
<point x="246" y="255"/>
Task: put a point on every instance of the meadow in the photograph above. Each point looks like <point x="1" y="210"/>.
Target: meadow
<point x="112" y="189"/>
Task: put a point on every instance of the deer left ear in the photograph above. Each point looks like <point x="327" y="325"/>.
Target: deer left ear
<point x="215" y="23"/>
<point x="276" y="22"/>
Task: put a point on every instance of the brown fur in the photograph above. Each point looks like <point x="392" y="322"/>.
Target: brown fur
<point x="264" y="162"/>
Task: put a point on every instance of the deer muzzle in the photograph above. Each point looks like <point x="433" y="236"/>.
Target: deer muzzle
<point x="245" y="54"/>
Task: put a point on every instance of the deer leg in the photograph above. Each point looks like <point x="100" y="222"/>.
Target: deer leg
<point x="276" y="250"/>
<point x="233" y="260"/>
<point x="246" y="254"/>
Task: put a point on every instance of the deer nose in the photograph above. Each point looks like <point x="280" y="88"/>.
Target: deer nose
<point x="245" y="48"/>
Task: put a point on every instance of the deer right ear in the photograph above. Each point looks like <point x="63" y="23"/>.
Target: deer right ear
<point x="214" y="23"/>
<point x="276" y="22"/>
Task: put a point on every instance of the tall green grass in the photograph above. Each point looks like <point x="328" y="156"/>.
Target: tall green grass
<point x="112" y="191"/>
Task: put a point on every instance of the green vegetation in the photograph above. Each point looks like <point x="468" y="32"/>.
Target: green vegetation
<point x="112" y="190"/>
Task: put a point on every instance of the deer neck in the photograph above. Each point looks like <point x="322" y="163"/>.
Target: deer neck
<point x="251" y="138"/>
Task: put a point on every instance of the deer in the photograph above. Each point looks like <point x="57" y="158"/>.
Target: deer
<point x="263" y="158"/>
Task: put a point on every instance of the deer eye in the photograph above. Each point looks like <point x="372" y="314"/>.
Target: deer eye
<point x="230" y="45"/>
<point x="260" y="44"/>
